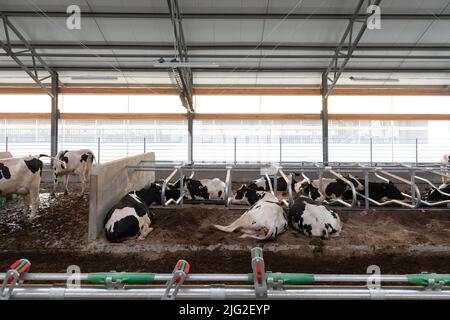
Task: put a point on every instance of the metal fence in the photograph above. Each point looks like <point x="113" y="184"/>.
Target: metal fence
<point x="236" y="141"/>
<point x="238" y="149"/>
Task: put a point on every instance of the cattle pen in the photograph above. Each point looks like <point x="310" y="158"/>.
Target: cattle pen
<point x="224" y="150"/>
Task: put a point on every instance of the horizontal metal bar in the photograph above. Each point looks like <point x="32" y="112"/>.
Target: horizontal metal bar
<point x="221" y="16"/>
<point x="205" y="277"/>
<point x="231" y="69"/>
<point x="233" y="56"/>
<point x="231" y="46"/>
<point x="228" y="293"/>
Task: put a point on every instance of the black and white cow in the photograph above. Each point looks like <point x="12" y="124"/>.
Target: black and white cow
<point x="332" y="188"/>
<point x="131" y="217"/>
<point x="205" y="188"/>
<point x="78" y="162"/>
<point x="264" y="220"/>
<point x="434" y="195"/>
<point x="313" y="219"/>
<point x="262" y="184"/>
<point x="378" y="191"/>
<point x="22" y="176"/>
<point x="251" y="196"/>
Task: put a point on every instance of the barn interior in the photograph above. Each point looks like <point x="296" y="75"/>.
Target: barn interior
<point x="165" y="89"/>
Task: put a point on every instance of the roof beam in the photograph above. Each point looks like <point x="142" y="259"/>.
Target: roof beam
<point x="336" y="67"/>
<point x="231" y="69"/>
<point x="32" y="71"/>
<point x="182" y="75"/>
<point x="231" y="46"/>
<point x="233" y="56"/>
<point x="224" y="16"/>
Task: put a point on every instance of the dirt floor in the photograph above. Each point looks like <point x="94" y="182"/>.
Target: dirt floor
<point x="399" y="242"/>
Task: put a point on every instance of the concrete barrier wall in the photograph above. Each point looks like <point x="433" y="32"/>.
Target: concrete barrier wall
<point x="109" y="183"/>
<point x="5" y="155"/>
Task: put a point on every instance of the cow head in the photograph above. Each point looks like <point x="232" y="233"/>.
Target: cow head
<point x="151" y="194"/>
<point x="196" y="188"/>
<point x="392" y="192"/>
<point x="252" y="195"/>
<point x="306" y="188"/>
<point x="303" y="184"/>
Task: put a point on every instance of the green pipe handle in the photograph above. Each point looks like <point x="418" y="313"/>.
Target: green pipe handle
<point x="124" y="277"/>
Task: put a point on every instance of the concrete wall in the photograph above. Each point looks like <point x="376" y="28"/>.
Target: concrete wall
<point x="109" y="183"/>
<point x="5" y="155"/>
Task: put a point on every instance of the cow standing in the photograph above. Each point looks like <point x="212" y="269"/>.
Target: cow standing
<point x="313" y="219"/>
<point x="132" y="217"/>
<point x="78" y="162"/>
<point x="264" y="220"/>
<point x="22" y="176"/>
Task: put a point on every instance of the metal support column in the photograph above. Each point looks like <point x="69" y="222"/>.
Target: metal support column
<point x="324" y="117"/>
<point x="54" y="115"/>
<point x="190" y="119"/>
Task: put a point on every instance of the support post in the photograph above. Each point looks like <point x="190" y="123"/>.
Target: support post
<point x="98" y="150"/>
<point x="324" y="117"/>
<point x="417" y="151"/>
<point x="235" y="150"/>
<point x="6" y="143"/>
<point x="371" y="151"/>
<point x="145" y="145"/>
<point x="54" y="115"/>
<point x="281" y="149"/>
<point x="190" y="119"/>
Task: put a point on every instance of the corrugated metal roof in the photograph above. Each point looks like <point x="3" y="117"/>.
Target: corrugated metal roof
<point x="255" y="33"/>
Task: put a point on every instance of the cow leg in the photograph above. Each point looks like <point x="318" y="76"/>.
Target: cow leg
<point x="55" y="183"/>
<point x="144" y="232"/>
<point x="34" y="195"/>
<point x="83" y="184"/>
<point x="66" y="184"/>
<point x="26" y="204"/>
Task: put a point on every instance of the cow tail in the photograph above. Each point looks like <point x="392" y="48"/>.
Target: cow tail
<point x="42" y="155"/>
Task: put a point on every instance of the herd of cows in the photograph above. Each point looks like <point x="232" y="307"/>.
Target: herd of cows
<point x="132" y="216"/>
<point x="266" y="218"/>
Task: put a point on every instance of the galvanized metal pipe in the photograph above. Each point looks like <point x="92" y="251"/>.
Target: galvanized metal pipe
<point x="42" y="293"/>
<point x="162" y="277"/>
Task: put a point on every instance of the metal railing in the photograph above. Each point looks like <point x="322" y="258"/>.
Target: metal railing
<point x="260" y="284"/>
<point x="238" y="149"/>
<point x="343" y="171"/>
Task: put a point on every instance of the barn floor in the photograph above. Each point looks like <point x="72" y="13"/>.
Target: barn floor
<point x="399" y="242"/>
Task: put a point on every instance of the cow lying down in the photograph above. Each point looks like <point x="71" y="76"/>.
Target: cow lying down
<point x="313" y="219"/>
<point x="205" y="188"/>
<point x="131" y="217"/>
<point x="264" y="220"/>
<point x="248" y="195"/>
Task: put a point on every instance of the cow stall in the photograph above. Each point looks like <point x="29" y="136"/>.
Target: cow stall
<point x="412" y="177"/>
